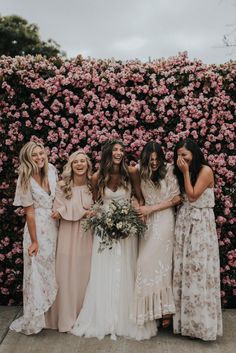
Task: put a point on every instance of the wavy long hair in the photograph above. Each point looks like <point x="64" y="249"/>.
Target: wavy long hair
<point x="106" y="165"/>
<point x="28" y="167"/>
<point x="66" y="182"/>
<point x="146" y="172"/>
<point x="198" y="160"/>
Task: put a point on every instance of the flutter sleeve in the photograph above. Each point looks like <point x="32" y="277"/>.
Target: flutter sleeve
<point x="73" y="209"/>
<point x="172" y="182"/>
<point x="24" y="199"/>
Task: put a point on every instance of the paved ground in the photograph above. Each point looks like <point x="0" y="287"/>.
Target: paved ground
<point x="49" y="341"/>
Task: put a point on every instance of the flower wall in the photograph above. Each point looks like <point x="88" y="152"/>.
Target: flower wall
<point x="84" y="102"/>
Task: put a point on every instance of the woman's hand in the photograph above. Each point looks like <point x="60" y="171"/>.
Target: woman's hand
<point x="89" y="213"/>
<point x="56" y="215"/>
<point x="176" y="200"/>
<point x="144" y="211"/>
<point x="139" y="214"/>
<point x="182" y="165"/>
<point x="33" y="248"/>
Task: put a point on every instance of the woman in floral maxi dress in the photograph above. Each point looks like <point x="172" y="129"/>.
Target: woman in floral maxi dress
<point x="35" y="192"/>
<point x="196" y="282"/>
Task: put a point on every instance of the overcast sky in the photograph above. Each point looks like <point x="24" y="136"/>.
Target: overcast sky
<point x="129" y="29"/>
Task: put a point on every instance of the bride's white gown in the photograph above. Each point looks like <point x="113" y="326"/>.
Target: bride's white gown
<point x="109" y="297"/>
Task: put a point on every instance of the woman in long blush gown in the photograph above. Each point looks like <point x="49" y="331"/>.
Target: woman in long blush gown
<point x="108" y="301"/>
<point x="73" y="200"/>
<point x="196" y="282"/>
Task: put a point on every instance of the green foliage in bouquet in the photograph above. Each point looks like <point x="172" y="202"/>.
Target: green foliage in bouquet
<point x="117" y="222"/>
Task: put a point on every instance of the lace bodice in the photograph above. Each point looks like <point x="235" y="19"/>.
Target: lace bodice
<point x="167" y="190"/>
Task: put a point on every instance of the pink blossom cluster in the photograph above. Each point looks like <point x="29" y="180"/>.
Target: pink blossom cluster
<point x="84" y="102"/>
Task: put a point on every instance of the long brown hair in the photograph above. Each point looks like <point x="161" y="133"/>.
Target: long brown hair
<point x="145" y="170"/>
<point x="196" y="165"/>
<point x="106" y="165"/>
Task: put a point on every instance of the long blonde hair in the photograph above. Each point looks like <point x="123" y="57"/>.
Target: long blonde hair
<point x="67" y="174"/>
<point x="28" y="167"/>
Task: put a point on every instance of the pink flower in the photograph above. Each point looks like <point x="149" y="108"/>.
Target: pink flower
<point x="220" y="220"/>
<point x="4" y="291"/>
<point x="227" y="211"/>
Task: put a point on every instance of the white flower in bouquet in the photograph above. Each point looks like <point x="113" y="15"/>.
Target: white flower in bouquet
<point x="109" y="222"/>
<point x="133" y="230"/>
<point x="113" y="207"/>
<point x="119" y="225"/>
<point x="125" y="210"/>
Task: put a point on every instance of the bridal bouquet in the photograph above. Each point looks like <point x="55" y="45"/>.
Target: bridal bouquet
<point x="117" y="222"/>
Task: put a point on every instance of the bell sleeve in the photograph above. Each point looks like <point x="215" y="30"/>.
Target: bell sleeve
<point x="72" y="209"/>
<point x="21" y="198"/>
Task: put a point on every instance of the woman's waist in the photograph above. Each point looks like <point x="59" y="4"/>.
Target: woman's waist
<point x="45" y="209"/>
<point x="194" y="205"/>
<point x="189" y="211"/>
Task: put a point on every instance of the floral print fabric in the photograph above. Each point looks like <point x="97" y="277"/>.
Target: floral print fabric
<point x="196" y="282"/>
<point x="39" y="282"/>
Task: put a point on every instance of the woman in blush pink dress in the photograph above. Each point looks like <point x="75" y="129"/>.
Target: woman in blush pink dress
<point x="72" y="203"/>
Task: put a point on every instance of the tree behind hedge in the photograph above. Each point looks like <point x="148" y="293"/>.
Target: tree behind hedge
<point x="18" y="37"/>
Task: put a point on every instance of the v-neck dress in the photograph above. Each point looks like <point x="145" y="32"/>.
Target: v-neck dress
<point x="108" y="300"/>
<point x="39" y="281"/>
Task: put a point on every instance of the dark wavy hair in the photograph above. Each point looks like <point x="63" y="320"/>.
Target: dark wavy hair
<point x="145" y="171"/>
<point x="104" y="173"/>
<point x="196" y="165"/>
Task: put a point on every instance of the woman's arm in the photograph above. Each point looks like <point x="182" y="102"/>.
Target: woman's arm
<point x="148" y="209"/>
<point x="31" y="224"/>
<point x="205" y="179"/>
<point x="94" y="184"/>
<point x="136" y="183"/>
<point x="58" y="203"/>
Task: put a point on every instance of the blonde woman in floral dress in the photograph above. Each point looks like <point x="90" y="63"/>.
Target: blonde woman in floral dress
<point x="153" y="286"/>
<point x="72" y="203"/>
<point x="35" y="191"/>
<point x="196" y="256"/>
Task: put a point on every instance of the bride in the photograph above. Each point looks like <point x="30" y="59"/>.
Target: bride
<point x="108" y="301"/>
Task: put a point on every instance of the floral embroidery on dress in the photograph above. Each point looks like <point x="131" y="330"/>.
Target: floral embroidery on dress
<point x="153" y="287"/>
<point x="39" y="282"/>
